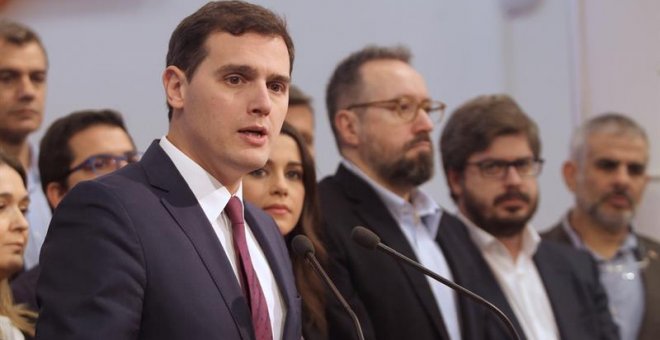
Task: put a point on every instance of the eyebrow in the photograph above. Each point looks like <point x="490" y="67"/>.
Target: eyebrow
<point x="7" y="195"/>
<point x="250" y="72"/>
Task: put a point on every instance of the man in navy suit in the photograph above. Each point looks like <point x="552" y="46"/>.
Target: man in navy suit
<point x="158" y="249"/>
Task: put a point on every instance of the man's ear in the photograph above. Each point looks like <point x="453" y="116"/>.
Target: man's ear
<point x="55" y="193"/>
<point x="570" y="171"/>
<point x="348" y="127"/>
<point x="175" y="82"/>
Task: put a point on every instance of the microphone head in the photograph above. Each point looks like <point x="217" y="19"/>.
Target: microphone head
<point x="302" y="246"/>
<point x="365" y="237"/>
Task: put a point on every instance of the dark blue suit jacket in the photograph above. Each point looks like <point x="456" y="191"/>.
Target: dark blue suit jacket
<point x="132" y="256"/>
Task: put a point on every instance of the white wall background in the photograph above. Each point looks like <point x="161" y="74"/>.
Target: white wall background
<point x="111" y="54"/>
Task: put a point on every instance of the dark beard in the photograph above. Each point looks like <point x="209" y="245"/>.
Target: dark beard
<point x="497" y="227"/>
<point x="409" y="171"/>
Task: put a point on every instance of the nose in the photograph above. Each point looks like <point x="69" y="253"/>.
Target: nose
<point x="26" y="89"/>
<point x="511" y="176"/>
<point x="278" y="185"/>
<point x="622" y="176"/>
<point x="260" y="101"/>
<point x="19" y="222"/>
<point x="423" y="121"/>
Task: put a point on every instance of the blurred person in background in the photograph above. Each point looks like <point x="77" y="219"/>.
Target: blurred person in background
<point x="23" y="70"/>
<point x="15" y="321"/>
<point x="301" y="116"/>
<point x="286" y="189"/>
<point x="607" y="173"/>
<point x="77" y="147"/>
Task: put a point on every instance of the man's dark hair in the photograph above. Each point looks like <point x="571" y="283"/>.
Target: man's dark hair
<point x="187" y="44"/>
<point x="19" y="34"/>
<point x="6" y="159"/>
<point x="55" y="154"/>
<point x="474" y="125"/>
<point x="298" y="97"/>
<point x="345" y="85"/>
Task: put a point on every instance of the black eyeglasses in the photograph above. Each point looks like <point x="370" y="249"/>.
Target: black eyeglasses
<point x="408" y="107"/>
<point x="102" y="164"/>
<point x="497" y="168"/>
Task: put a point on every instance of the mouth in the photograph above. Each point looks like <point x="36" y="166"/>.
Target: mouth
<point x="421" y="141"/>
<point x="619" y="201"/>
<point x="512" y="201"/>
<point x="277" y="209"/>
<point x="255" y="135"/>
<point x="16" y="248"/>
<point x="25" y="112"/>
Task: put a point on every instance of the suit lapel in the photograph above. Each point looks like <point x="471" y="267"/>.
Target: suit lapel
<point x="371" y="209"/>
<point x="180" y="202"/>
<point x="471" y="271"/>
<point x="556" y="280"/>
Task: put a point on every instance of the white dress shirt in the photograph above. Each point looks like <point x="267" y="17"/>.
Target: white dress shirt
<point x="519" y="280"/>
<point x="419" y="221"/>
<point x="213" y="197"/>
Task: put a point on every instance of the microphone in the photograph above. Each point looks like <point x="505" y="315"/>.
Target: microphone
<point x="368" y="239"/>
<point x="304" y="248"/>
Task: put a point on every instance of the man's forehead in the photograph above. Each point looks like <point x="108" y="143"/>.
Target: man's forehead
<point x="617" y="147"/>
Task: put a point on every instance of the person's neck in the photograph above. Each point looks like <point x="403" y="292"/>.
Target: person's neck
<point x="597" y="238"/>
<point x="513" y="244"/>
<point x="403" y="191"/>
<point x="20" y="151"/>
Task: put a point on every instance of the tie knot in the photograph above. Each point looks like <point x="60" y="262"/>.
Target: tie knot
<point x="234" y="210"/>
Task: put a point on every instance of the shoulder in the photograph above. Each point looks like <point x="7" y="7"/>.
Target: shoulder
<point x="566" y="255"/>
<point x="648" y="243"/>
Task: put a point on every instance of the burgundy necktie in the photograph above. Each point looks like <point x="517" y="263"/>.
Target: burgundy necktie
<point x="248" y="277"/>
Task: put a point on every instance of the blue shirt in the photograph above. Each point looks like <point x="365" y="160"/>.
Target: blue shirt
<point x="419" y="221"/>
<point x="621" y="277"/>
<point x="38" y="215"/>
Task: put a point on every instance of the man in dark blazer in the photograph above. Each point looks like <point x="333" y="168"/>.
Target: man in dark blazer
<point x="490" y="151"/>
<point x="92" y="143"/>
<point x="606" y="171"/>
<point x="382" y="116"/>
<point x="159" y="249"/>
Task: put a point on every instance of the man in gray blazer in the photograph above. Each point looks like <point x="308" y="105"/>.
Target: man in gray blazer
<point x="607" y="174"/>
<point x="160" y="248"/>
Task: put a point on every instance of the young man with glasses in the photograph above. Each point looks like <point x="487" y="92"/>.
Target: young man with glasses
<point x="607" y="174"/>
<point x="80" y="146"/>
<point x="491" y="154"/>
<point x="382" y="117"/>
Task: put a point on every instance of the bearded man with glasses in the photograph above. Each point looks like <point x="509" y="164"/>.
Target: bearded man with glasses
<point x="491" y="154"/>
<point x="382" y="116"/>
<point x="80" y="146"/>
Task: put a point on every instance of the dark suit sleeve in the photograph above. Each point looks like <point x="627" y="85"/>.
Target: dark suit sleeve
<point x="340" y="324"/>
<point x="93" y="272"/>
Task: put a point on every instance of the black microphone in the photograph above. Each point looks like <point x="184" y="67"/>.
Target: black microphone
<point x="304" y="248"/>
<point x="370" y="240"/>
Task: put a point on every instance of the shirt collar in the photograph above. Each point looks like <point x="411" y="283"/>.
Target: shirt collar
<point x="209" y="192"/>
<point x="422" y="204"/>
<point x="629" y="245"/>
<point x="487" y="242"/>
